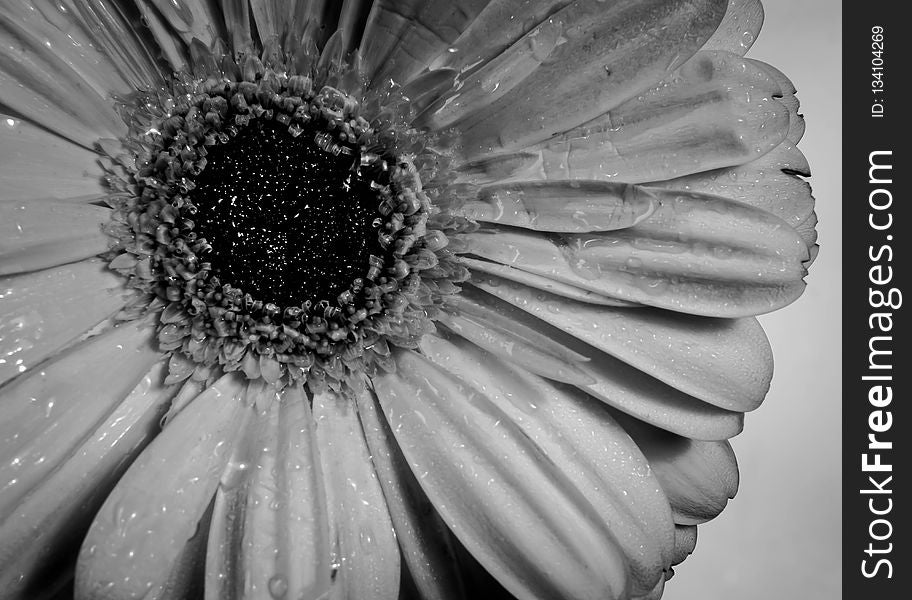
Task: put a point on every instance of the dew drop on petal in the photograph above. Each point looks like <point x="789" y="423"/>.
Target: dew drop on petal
<point x="278" y="587"/>
<point x="234" y="474"/>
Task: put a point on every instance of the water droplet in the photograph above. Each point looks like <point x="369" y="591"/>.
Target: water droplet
<point x="585" y="269"/>
<point x="278" y="587"/>
<point x="747" y="38"/>
<point x="234" y="474"/>
<point x="652" y="286"/>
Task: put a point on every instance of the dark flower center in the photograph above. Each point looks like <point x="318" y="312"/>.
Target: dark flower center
<point x="287" y="221"/>
<point x="278" y="231"/>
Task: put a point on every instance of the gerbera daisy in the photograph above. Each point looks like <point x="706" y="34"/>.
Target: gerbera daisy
<point x="358" y="299"/>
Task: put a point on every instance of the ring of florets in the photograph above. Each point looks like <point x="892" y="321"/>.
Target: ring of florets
<point x="211" y="325"/>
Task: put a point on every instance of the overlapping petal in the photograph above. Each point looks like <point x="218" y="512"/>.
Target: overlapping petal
<point x="426" y="543"/>
<point x="772" y="182"/>
<point x="739" y="27"/>
<point x="119" y="558"/>
<point x="562" y="206"/>
<point x="698" y="477"/>
<point x="38" y="235"/>
<point x="403" y="36"/>
<point x="363" y="545"/>
<point x="114" y="33"/>
<point x="610" y="56"/>
<point x="49" y="412"/>
<point x="489" y="481"/>
<point x="50" y="25"/>
<point x="37" y="317"/>
<point x="192" y="20"/>
<point x="24" y="172"/>
<point x="45" y="528"/>
<point x="725" y="362"/>
<point x="695" y="253"/>
<point x="580" y="437"/>
<point x="620" y="384"/>
<point x="269" y="530"/>
<point x="495" y="79"/>
<point x="496" y="29"/>
<point x="540" y="282"/>
<point x="40" y="85"/>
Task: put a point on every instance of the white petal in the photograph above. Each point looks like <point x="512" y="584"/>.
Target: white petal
<point x="401" y="37"/>
<point x="699" y="477"/>
<point x="540" y="282"/>
<point x="685" y="542"/>
<point x="237" y="21"/>
<point x="269" y="533"/>
<point x="698" y="254"/>
<point x="611" y="54"/>
<point x="726" y="362"/>
<point x="352" y="16"/>
<point x="494" y="30"/>
<point x="271" y="21"/>
<point x="424" y="539"/>
<point x="37" y="84"/>
<point x="739" y="28"/>
<point x="772" y="182"/>
<point x="496" y="78"/>
<point x="47" y="310"/>
<point x="581" y="438"/>
<point x="364" y="551"/>
<point x="168" y="41"/>
<point x="192" y="20"/>
<point x="621" y="385"/>
<point x="54" y="28"/>
<point x="50" y="521"/>
<point x="511" y="508"/>
<point x="38" y="235"/>
<point x="47" y="412"/>
<point x="135" y="542"/>
<point x="640" y="395"/>
<point x="118" y="36"/>
<point x="562" y="206"/>
<point x="37" y="164"/>
<point x="188" y="392"/>
<point x="718" y="110"/>
<point x="521" y="346"/>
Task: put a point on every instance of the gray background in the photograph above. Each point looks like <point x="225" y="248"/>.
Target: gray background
<point x="781" y="536"/>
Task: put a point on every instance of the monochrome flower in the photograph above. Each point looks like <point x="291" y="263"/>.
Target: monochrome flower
<point x="357" y="299"/>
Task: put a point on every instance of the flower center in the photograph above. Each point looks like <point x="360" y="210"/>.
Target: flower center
<point x="279" y="227"/>
<point x="287" y="221"/>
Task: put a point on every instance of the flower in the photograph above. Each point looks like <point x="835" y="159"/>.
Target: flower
<point x="315" y="298"/>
